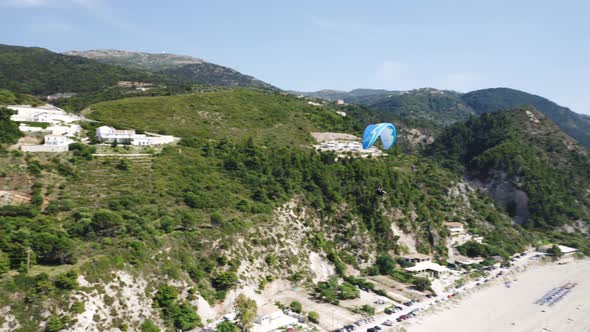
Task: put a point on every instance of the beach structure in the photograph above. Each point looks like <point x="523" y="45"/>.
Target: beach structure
<point x="566" y="251"/>
<point x="428" y="269"/>
<point x="466" y="261"/>
<point x="272" y="321"/>
<point x="416" y="258"/>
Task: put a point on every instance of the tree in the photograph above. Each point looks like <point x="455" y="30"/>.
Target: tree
<point x="246" y="310"/>
<point x="106" y="223"/>
<point x="149" y="326"/>
<point x="224" y="280"/>
<point x="421" y="284"/>
<point x="4" y="263"/>
<point x="385" y="263"/>
<point x="296" y="306"/>
<point x="186" y="318"/>
<point x="555" y="252"/>
<point x="226" y="326"/>
<point x="313" y="317"/>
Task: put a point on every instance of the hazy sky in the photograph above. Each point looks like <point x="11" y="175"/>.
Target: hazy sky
<point x="539" y="46"/>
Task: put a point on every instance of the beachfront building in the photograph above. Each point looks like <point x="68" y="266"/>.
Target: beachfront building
<point x="428" y="269"/>
<point x="565" y="251"/>
<point x="416" y="258"/>
<point x="273" y="321"/>
<point x="467" y="261"/>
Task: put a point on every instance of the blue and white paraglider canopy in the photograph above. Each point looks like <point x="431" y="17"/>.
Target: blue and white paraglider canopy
<point x="384" y="130"/>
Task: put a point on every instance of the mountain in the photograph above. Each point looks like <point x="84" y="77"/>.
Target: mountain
<point x="40" y="72"/>
<point x="138" y="60"/>
<point x="348" y="96"/>
<point x="442" y="107"/>
<point x="178" y="66"/>
<point x="491" y="100"/>
<point x="536" y="171"/>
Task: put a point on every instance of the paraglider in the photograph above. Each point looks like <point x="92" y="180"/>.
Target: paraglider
<point x="384" y="130"/>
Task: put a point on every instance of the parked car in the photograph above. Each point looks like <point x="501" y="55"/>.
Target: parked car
<point x="377" y="328"/>
<point x="388" y="323"/>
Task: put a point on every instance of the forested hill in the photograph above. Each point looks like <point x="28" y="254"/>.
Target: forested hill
<point x="41" y="72"/>
<point x="492" y="100"/>
<point x="178" y="66"/>
<point x="540" y="174"/>
<point x="442" y="107"/>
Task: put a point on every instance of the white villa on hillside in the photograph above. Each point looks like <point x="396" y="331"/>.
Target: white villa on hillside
<point x="52" y="143"/>
<point x="107" y="134"/>
<point x="455" y="228"/>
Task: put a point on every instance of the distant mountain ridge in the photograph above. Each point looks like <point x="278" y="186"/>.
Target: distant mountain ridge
<point x="443" y="107"/>
<point x="181" y="67"/>
<point x="34" y="70"/>
<point x="138" y="60"/>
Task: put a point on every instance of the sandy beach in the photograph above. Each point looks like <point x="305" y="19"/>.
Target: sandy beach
<point x="496" y="307"/>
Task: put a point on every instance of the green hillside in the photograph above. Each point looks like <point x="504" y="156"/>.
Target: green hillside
<point x="235" y="115"/>
<point x="525" y="150"/>
<point x="41" y="72"/>
<point x="212" y="74"/>
<point x="492" y="100"/>
<point x="184" y="213"/>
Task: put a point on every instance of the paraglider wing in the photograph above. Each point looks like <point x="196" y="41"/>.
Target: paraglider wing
<point x="386" y="131"/>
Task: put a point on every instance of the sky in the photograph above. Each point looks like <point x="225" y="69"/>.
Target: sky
<point x="541" y="46"/>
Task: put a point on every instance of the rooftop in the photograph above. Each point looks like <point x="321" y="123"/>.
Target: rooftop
<point x="416" y="256"/>
<point x="423" y="266"/>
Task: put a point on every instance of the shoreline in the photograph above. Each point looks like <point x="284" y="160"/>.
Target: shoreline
<point x="497" y="307"/>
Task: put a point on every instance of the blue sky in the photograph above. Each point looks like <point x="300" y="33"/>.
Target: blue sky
<point x="542" y="47"/>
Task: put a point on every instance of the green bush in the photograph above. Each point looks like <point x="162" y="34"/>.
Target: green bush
<point x="149" y="326"/>
<point x="313" y="317"/>
<point x="296" y="306"/>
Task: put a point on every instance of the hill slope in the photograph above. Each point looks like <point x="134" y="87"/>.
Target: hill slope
<point x="179" y="66"/>
<point x="526" y="162"/>
<point x="235" y="114"/>
<point x="137" y="60"/>
<point x="492" y="100"/>
<point x="216" y="215"/>
<point x="41" y="72"/>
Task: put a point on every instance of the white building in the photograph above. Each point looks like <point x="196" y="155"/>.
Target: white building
<point x="56" y="140"/>
<point x="107" y="134"/>
<point x="428" y="270"/>
<point x="272" y="321"/>
<point x="46" y="113"/>
<point x="455" y="228"/>
<point x="53" y="143"/>
<point x="566" y="251"/>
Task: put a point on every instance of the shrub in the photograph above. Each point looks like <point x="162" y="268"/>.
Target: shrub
<point x="224" y="280"/>
<point x="313" y="317"/>
<point x="296" y="306"/>
<point x="226" y="326"/>
<point x="149" y="326"/>
<point x="67" y="280"/>
<point x="421" y="284"/>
